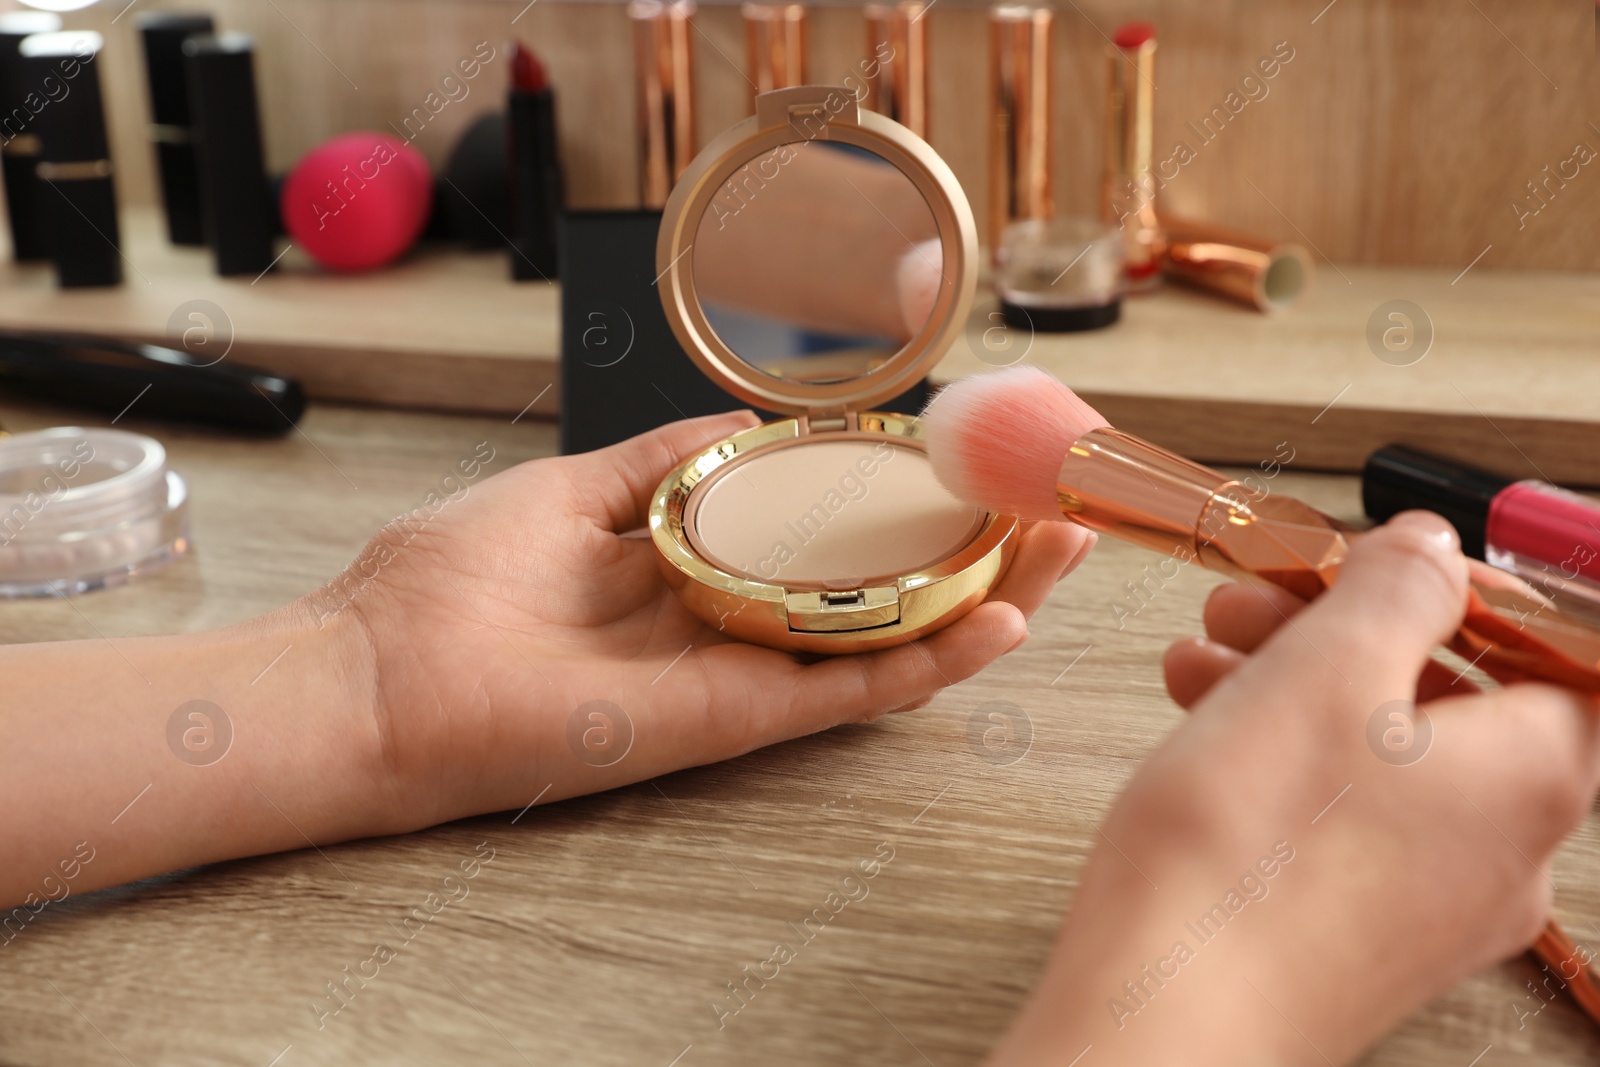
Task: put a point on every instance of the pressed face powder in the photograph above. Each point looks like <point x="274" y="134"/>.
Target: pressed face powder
<point x="832" y="514"/>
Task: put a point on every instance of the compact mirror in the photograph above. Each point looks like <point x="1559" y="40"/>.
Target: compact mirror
<point x="816" y="258"/>
<point x="817" y="262"/>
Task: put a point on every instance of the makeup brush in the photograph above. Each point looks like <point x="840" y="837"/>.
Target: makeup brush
<point x="1019" y="442"/>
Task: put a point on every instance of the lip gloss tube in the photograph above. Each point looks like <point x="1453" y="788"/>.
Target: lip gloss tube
<point x="79" y="197"/>
<point x="1545" y="535"/>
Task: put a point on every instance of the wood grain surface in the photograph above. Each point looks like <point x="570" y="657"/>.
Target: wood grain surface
<point x="1399" y="133"/>
<point x="604" y="929"/>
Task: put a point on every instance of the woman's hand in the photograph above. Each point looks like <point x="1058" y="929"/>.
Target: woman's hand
<point x="1311" y="858"/>
<point x="516" y="644"/>
<point x="525" y="647"/>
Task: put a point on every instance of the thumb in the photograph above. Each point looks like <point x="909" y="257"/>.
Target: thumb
<point x="1400" y="594"/>
<point x="616" y="484"/>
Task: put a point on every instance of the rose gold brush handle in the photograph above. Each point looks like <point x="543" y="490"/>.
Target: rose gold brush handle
<point x="1136" y="491"/>
<point x="1119" y="484"/>
<point x="1572" y="967"/>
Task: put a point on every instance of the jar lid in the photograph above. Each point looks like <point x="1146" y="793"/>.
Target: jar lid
<point x="817" y="258"/>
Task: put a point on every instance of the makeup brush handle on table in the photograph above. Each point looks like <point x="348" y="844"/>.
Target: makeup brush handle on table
<point x="1019" y="442"/>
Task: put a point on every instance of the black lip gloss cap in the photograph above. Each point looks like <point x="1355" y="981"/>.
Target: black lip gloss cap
<point x="19" y="143"/>
<point x="171" y="120"/>
<point x="236" y="195"/>
<point x="1399" y="478"/>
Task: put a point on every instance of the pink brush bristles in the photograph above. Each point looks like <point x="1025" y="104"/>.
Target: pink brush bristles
<point x="996" y="440"/>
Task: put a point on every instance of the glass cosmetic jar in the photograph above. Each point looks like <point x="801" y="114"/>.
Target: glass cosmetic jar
<point x="85" y="508"/>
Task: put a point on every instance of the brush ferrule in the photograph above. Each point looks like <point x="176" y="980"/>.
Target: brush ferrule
<point x="1135" y="491"/>
<point x="1118" y="484"/>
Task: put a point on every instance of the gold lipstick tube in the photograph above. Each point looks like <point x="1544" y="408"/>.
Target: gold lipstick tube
<point x="1127" y="188"/>
<point x="1121" y="485"/>
<point x="1020" y="163"/>
<point x="1267" y="275"/>
<point x="775" y="46"/>
<point x="897" y="63"/>
<point x="664" y="70"/>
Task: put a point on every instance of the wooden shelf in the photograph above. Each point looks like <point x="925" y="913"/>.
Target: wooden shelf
<point x="445" y="330"/>
<point x="1510" y="380"/>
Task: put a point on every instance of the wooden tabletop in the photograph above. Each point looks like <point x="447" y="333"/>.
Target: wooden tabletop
<point x="605" y="928"/>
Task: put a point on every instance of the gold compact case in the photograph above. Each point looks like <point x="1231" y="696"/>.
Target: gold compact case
<point x="816" y="260"/>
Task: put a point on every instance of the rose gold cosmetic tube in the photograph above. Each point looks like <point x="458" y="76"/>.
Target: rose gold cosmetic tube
<point x="1019" y="120"/>
<point x="1127" y="190"/>
<point x="1118" y="484"/>
<point x="775" y="46"/>
<point x="1267" y="275"/>
<point x="897" y="63"/>
<point x="664" y="69"/>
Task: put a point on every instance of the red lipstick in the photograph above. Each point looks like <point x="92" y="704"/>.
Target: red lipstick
<point x="527" y="73"/>
<point x="1547" y="536"/>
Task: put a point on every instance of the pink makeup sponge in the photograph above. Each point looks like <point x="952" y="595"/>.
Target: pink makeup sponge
<point x="357" y="201"/>
<point x="996" y="440"/>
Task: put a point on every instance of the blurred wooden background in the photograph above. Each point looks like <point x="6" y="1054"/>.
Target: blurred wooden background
<point x="1399" y="133"/>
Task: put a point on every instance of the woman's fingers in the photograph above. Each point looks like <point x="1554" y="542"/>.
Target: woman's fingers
<point x="1439" y="681"/>
<point x="852" y="688"/>
<point x="1046" y="553"/>
<point x="863" y="687"/>
<point x="615" y="485"/>
<point x="1402" y="591"/>
<point x="1243" y="615"/>
<point x="1535" y="749"/>
<point x="1193" y="665"/>
<point x="807" y="698"/>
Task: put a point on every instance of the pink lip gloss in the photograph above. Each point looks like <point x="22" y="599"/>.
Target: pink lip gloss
<point x="1547" y="536"/>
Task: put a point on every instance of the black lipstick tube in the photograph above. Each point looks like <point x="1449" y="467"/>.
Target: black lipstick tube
<point x="536" y="184"/>
<point x="80" y="202"/>
<point x="171" y="119"/>
<point x="236" y="197"/>
<point x="19" y="142"/>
